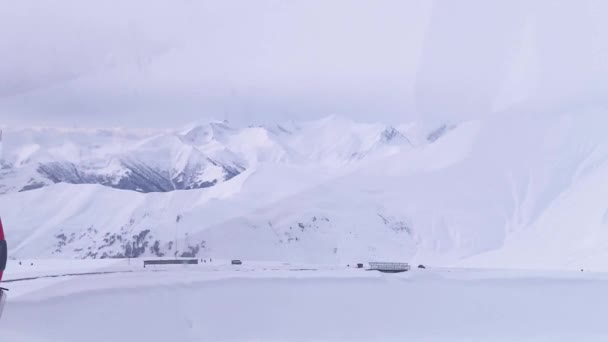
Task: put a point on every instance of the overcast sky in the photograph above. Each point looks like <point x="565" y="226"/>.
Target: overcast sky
<point x="165" y="63"/>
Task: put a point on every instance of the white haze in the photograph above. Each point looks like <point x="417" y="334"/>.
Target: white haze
<point x="157" y="63"/>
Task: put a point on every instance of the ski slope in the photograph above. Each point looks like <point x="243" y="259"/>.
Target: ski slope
<point x="278" y="302"/>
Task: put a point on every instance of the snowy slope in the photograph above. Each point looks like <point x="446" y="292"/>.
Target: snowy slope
<point x="275" y="302"/>
<point x="508" y="191"/>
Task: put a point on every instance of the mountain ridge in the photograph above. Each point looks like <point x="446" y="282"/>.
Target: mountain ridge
<point x="199" y="156"/>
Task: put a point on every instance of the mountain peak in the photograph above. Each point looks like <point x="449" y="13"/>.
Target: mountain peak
<point x="200" y="133"/>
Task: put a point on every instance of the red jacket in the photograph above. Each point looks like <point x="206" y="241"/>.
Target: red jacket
<point x="3" y="251"/>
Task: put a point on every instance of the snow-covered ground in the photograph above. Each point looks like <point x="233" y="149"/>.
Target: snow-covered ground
<point x="280" y="302"/>
<point x="508" y="192"/>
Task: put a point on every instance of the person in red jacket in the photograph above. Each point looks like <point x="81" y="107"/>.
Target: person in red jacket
<point x="3" y="257"/>
<point x="3" y="251"/>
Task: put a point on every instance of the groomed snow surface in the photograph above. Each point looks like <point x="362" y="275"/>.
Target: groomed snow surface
<point x="280" y="302"/>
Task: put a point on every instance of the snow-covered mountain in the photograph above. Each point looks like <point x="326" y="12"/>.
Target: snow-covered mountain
<point x="506" y="191"/>
<point x="200" y="156"/>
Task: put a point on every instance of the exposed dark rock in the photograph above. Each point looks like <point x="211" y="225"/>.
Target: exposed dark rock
<point x="439" y="132"/>
<point x="137" y="176"/>
<point x="32" y="186"/>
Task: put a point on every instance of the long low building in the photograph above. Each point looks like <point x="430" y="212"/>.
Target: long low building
<point x="170" y="262"/>
<point x="389" y="267"/>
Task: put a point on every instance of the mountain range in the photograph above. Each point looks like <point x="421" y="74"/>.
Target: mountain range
<point x="200" y="156"/>
<point x="503" y="191"/>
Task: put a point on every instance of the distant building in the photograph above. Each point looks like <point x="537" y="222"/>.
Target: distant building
<point x="389" y="267"/>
